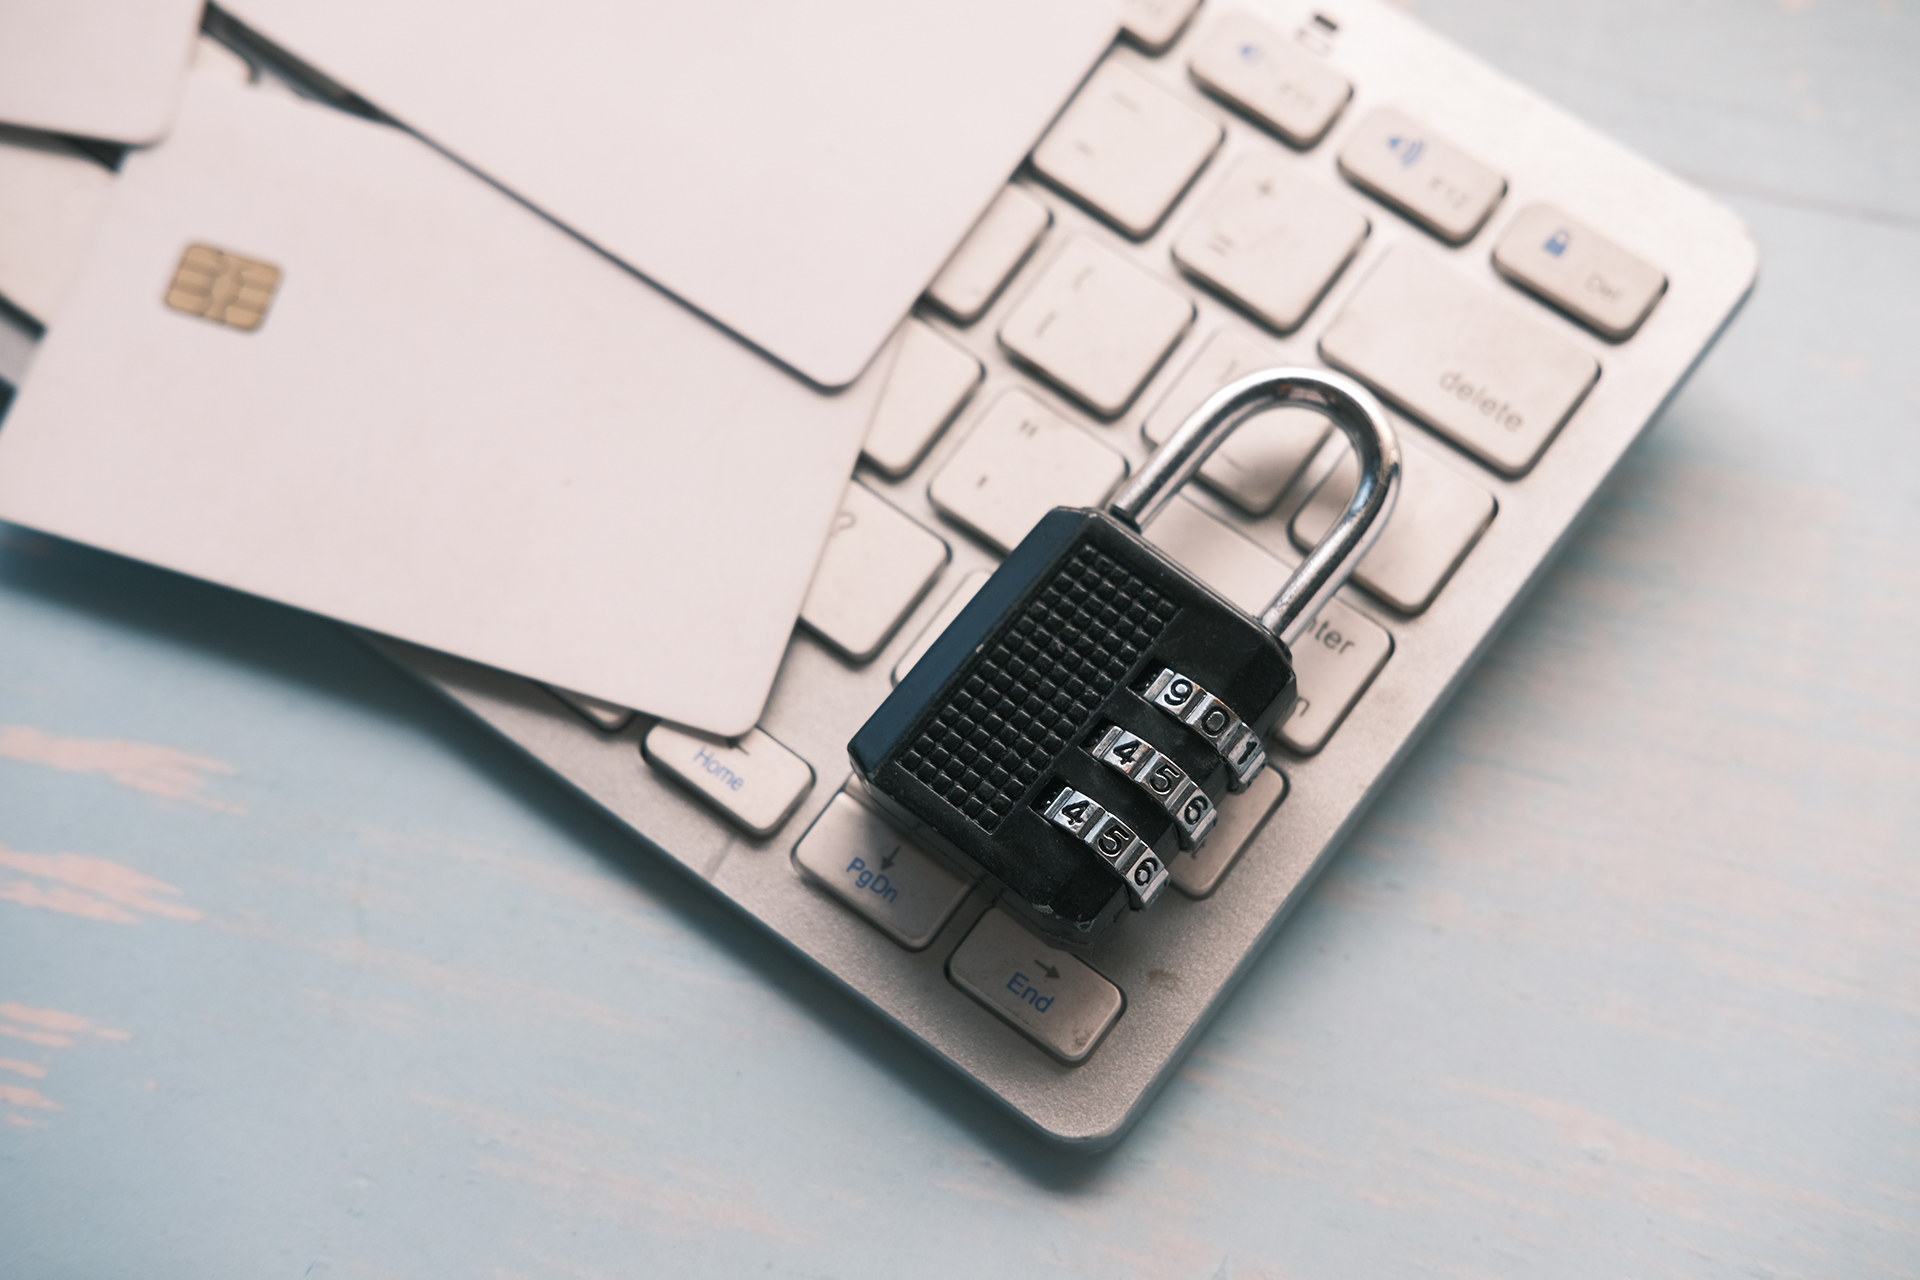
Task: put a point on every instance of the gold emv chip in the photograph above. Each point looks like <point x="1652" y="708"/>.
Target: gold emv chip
<point x="222" y="286"/>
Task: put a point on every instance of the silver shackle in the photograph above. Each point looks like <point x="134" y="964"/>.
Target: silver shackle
<point x="1359" y="417"/>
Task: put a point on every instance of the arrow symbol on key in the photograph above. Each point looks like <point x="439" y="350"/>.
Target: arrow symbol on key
<point x="891" y="855"/>
<point x="1048" y="969"/>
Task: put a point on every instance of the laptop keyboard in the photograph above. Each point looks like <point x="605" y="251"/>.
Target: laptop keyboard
<point x="1234" y="188"/>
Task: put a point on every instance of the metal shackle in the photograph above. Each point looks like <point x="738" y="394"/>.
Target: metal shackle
<point x="1359" y="417"/>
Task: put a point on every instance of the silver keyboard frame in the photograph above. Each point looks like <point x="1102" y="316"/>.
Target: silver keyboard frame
<point x="1178" y="962"/>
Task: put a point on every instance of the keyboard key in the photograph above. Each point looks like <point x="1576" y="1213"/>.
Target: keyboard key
<point x="969" y="588"/>
<point x="1198" y="872"/>
<point x="1579" y="270"/>
<point x="1126" y="148"/>
<point x="1271" y="78"/>
<point x="1097" y="326"/>
<point x="855" y="855"/>
<point x="1152" y="24"/>
<point x="876" y="566"/>
<point x="1436" y="520"/>
<point x="1270" y="241"/>
<point x="1020" y="462"/>
<point x="1053" y="998"/>
<point x="929" y="381"/>
<point x="1254" y="465"/>
<point x="988" y="257"/>
<point x="602" y="714"/>
<point x="1334" y="663"/>
<point x="1421" y="174"/>
<point x="754" y="782"/>
<point x="1240" y="569"/>
<point x="1494" y="380"/>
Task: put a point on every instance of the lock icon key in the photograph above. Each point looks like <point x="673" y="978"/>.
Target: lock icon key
<point x="1083" y="718"/>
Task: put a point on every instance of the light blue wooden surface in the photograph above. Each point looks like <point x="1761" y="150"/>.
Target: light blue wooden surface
<point x="301" y="974"/>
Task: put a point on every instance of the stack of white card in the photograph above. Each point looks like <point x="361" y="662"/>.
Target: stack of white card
<point x="315" y="358"/>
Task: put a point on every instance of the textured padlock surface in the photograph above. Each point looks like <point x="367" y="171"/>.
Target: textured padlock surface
<point x="997" y="715"/>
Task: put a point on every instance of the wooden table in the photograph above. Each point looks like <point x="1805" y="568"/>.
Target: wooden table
<point x="302" y="974"/>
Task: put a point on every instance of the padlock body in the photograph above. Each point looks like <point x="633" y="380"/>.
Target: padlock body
<point x="1058" y="647"/>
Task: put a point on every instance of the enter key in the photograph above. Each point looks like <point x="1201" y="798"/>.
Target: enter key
<point x="1335" y="661"/>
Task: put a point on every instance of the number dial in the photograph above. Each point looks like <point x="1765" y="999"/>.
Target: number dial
<point x="1155" y="773"/>
<point x="1082" y="816"/>
<point x="1212" y="719"/>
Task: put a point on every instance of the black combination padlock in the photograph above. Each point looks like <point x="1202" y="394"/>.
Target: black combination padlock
<point x="1081" y="720"/>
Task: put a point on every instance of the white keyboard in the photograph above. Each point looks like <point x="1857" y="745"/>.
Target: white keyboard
<point x="1247" y="185"/>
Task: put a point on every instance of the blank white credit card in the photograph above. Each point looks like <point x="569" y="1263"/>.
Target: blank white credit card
<point x="313" y="359"/>
<point x="799" y="172"/>
<point x="108" y="69"/>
